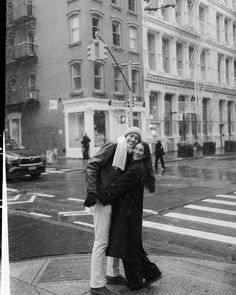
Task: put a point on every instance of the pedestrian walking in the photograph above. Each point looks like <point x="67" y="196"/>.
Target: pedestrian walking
<point x="107" y="164"/>
<point x="159" y="154"/>
<point x="85" y="146"/>
<point x="126" y="196"/>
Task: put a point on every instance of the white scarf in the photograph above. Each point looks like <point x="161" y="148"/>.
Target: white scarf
<point x="120" y="153"/>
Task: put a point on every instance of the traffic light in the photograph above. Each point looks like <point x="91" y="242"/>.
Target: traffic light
<point x="109" y="102"/>
<point x="97" y="50"/>
<point x="91" y="52"/>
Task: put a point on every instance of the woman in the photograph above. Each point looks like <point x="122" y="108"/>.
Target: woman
<point x="126" y="196"/>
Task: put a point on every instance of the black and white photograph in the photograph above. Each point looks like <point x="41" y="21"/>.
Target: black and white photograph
<point x="118" y="149"/>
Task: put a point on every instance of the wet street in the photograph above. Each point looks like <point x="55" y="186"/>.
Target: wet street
<point x="192" y="213"/>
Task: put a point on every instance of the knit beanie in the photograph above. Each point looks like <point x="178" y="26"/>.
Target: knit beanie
<point x="135" y="130"/>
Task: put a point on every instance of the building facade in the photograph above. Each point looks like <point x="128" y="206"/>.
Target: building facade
<point x="58" y="93"/>
<point x="190" y="72"/>
<point x="178" y="79"/>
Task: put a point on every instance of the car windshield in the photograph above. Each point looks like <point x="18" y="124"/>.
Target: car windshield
<point x="13" y="145"/>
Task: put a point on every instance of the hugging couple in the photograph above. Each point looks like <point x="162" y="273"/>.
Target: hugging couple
<point x="116" y="178"/>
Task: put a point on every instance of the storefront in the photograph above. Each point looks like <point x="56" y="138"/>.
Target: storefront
<point x="101" y="122"/>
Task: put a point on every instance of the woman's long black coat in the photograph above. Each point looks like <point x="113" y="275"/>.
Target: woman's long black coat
<point x="127" y="210"/>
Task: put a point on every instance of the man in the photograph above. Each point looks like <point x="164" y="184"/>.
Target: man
<point x="159" y="153"/>
<point x="103" y="168"/>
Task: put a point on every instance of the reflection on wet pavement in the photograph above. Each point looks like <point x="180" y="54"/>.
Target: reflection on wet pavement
<point x="197" y="172"/>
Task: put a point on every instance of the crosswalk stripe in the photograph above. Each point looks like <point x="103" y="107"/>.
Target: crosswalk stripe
<point x="150" y="211"/>
<point x="84" y="223"/>
<point x="226" y="196"/>
<point x="54" y="171"/>
<point x="211" y="209"/>
<point x="40" y="214"/>
<point x="190" y="232"/>
<point x="219" y="202"/>
<point x="216" y="222"/>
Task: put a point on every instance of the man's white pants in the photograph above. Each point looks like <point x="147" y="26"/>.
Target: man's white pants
<point x="102" y="223"/>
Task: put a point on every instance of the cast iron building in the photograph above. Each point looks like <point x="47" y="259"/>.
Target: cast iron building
<point x="53" y="92"/>
<point x="190" y="72"/>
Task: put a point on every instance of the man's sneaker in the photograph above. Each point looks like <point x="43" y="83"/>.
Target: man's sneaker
<point x="154" y="280"/>
<point x="100" y="291"/>
<point x="118" y="280"/>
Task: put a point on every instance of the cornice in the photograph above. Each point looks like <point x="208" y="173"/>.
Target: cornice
<point x="187" y="84"/>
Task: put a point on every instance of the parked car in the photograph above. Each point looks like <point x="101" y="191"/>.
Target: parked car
<point x="21" y="161"/>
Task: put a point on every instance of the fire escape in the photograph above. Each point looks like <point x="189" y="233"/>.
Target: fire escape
<point x="20" y="19"/>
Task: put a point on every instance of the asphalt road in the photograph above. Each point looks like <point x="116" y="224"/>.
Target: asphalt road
<point x="46" y="216"/>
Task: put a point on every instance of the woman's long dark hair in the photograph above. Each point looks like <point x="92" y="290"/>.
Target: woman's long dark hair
<point x="149" y="177"/>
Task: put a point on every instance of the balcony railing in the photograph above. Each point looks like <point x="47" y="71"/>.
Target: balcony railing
<point x="22" y="96"/>
<point x="23" y="12"/>
<point x="32" y="94"/>
<point x="25" y="50"/>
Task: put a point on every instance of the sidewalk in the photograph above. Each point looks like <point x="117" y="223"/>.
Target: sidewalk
<point x="75" y="163"/>
<point x="69" y="275"/>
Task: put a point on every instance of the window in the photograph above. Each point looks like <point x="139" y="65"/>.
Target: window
<point x="76" y="129"/>
<point x="132" y="5"/>
<point x="203" y="64"/>
<point x="99" y="118"/>
<point x="117" y="80"/>
<point x="165" y="54"/>
<point x="219" y="69"/>
<point x="15" y="127"/>
<point x="153" y="105"/>
<point x="218" y="27"/>
<point x="179" y="57"/>
<point x="234" y="35"/>
<point x="98" y="77"/>
<point x="133" y="39"/>
<point x="234" y="73"/>
<point x="74" y="28"/>
<point x="32" y="81"/>
<point x="191" y="60"/>
<point x="76" y="76"/>
<point x="227" y="70"/>
<point x="226" y="31"/>
<point x="135" y="82"/>
<point x="151" y="51"/>
<point x="116" y="33"/>
<point x="96" y="25"/>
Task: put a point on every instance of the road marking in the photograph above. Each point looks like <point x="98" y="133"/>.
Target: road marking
<point x="190" y="232"/>
<point x="75" y="213"/>
<point x="15" y="198"/>
<point x="45" y="173"/>
<point x="219" y="202"/>
<point x="211" y="209"/>
<point x="202" y="219"/>
<point x="31" y="200"/>
<point x="226" y="196"/>
<point x="12" y="190"/>
<point x="45" y="195"/>
<point x="54" y="171"/>
<point x="150" y="211"/>
<point x="84" y="223"/>
<point x="40" y="214"/>
<point x="74" y="199"/>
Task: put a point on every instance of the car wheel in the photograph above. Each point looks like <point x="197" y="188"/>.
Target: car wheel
<point x="35" y="175"/>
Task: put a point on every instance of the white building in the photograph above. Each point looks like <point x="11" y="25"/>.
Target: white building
<point x="190" y="72"/>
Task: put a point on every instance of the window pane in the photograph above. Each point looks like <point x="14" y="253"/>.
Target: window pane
<point x="99" y="128"/>
<point x="117" y="80"/>
<point x="133" y="38"/>
<point x="74" y="28"/>
<point x="116" y="33"/>
<point x="131" y="5"/>
<point x="76" y="129"/>
<point x="15" y="129"/>
<point x="98" y="77"/>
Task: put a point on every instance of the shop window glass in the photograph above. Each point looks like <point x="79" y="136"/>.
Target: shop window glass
<point x="76" y="129"/>
<point x="99" y="128"/>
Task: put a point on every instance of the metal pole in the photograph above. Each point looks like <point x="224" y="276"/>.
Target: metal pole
<point x="130" y="94"/>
